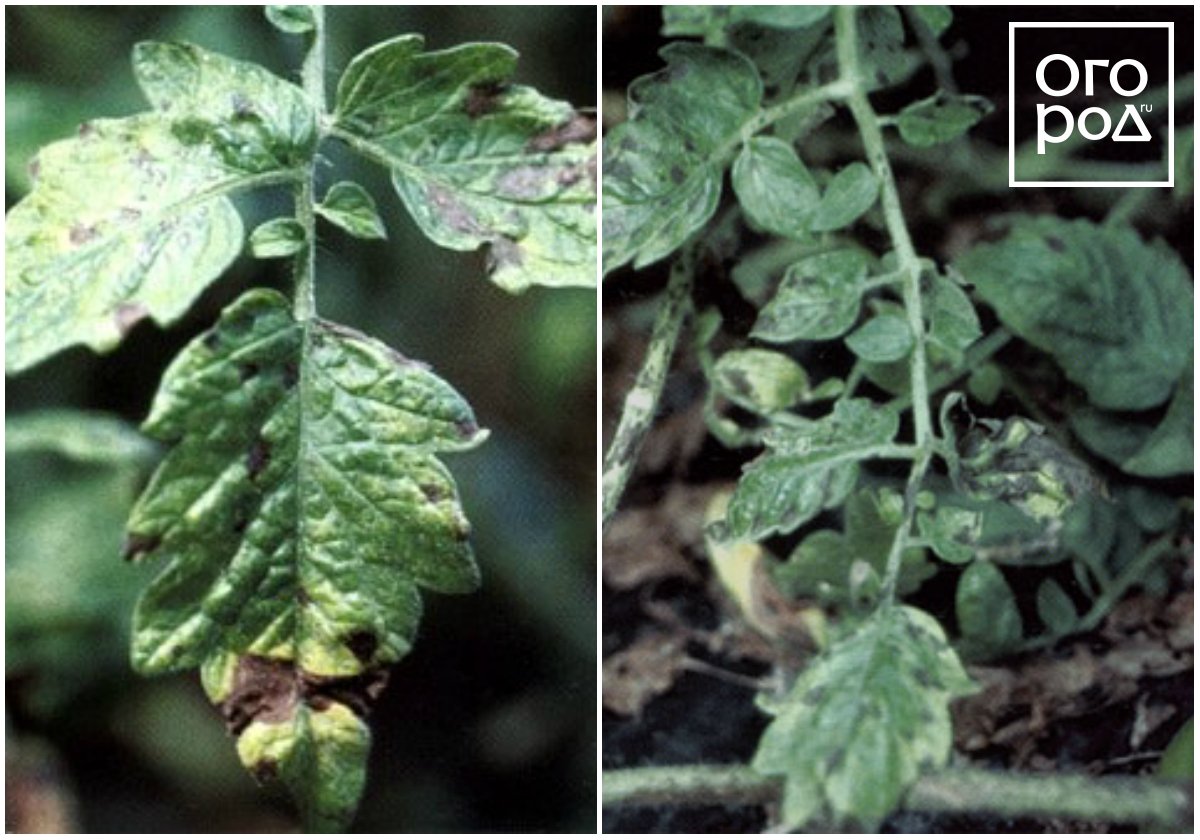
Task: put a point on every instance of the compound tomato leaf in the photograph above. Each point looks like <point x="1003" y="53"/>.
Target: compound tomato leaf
<point x="819" y="298"/>
<point x="476" y="159"/>
<point x="299" y="510"/>
<point x="663" y="167"/>
<point x="130" y="219"/>
<point x="809" y="466"/>
<point x="1114" y="311"/>
<point x="864" y="721"/>
<point x="774" y="187"/>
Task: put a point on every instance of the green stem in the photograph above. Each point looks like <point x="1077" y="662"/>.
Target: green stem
<point x="963" y="790"/>
<point x="312" y="74"/>
<point x="908" y="268"/>
<point x="976" y="354"/>
<point x="641" y="402"/>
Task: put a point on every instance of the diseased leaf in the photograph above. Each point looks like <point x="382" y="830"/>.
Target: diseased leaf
<point x="809" y="466"/>
<point x="864" y="721"/>
<point x="293" y="19"/>
<point x="774" y="187"/>
<point x="352" y="208"/>
<point x="881" y="44"/>
<point x="130" y="219"/>
<point x="952" y="532"/>
<point x="953" y="323"/>
<point x="780" y="17"/>
<point x="884" y="338"/>
<point x="851" y="193"/>
<point x="941" y="118"/>
<point x="1139" y="448"/>
<point x="663" y="167"/>
<point x="987" y="612"/>
<point x="819" y="298"/>
<point x="693" y="20"/>
<point x="476" y="159"/>
<point x="820" y="566"/>
<point x="760" y="380"/>
<point x="1113" y="311"/>
<point x="277" y="238"/>
<point x="298" y="513"/>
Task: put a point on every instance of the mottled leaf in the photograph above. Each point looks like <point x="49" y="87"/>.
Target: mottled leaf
<point x="881" y="45"/>
<point x="952" y="532"/>
<point x="663" y="167"/>
<point x="953" y="323"/>
<point x="293" y="19"/>
<point x="277" y="238"/>
<point x="988" y="620"/>
<point x="851" y="192"/>
<point x="352" y="208"/>
<point x="884" y="338"/>
<point x="476" y="159"/>
<point x="809" y="466"/>
<point x="774" y="187"/>
<point x="819" y="298"/>
<point x="1114" y="312"/>
<point x="298" y="512"/>
<point x="864" y="721"/>
<point x="1150" y="450"/>
<point x="760" y="380"/>
<point x="940" y="118"/>
<point x="130" y="218"/>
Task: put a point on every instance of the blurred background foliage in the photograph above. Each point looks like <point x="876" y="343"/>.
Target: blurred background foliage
<point x="489" y="725"/>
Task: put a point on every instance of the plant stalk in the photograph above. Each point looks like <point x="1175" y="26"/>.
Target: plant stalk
<point x="312" y="75"/>
<point x="1114" y="799"/>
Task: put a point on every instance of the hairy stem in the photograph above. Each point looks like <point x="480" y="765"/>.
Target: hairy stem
<point x="304" y="269"/>
<point x="642" y="400"/>
<point x="1124" y="799"/>
<point x="908" y="269"/>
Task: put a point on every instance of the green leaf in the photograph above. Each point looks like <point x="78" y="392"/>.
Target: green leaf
<point x="780" y="17"/>
<point x="819" y="298"/>
<point x="881" y="45"/>
<point x="809" y="466"/>
<point x="693" y="20"/>
<point x="820" y="566"/>
<point x="1154" y="512"/>
<point x="663" y="167"/>
<point x="1113" y="311"/>
<point x="986" y="382"/>
<point x="987" y="612"/>
<point x="293" y="19"/>
<point x="476" y="159"/>
<point x="884" y="338"/>
<point x="352" y="208"/>
<point x="941" y="118"/>
<point x="864" y="721"/>
<point x="1089" y="528"/>
<point x="1139" y="448"/>
<point x="298" y="513"/>
<point x="952" y="532"/>
<point x="851" y="193"/>
<point x="953" y="323"/>
<point x="760" y="380"/>
<point x="936" y="18"/>
<point x="130" y="219"/>
<point x="774" y="187"/>
<point x="277" y="238"/>
<point x="1055" y="608"/>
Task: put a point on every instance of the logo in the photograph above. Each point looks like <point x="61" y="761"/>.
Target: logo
<point x="1091" y="104"/>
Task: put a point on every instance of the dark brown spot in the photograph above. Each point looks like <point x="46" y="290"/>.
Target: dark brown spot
<point x="677" y="175"/>
<point x="35" y="169"/>
<point x="263" y="690"/>
<point x="357" y="693"/>
<point x="211" y="339"/>
<point x="523" y="182"/>
<point x="466" y="429"/>
<point x="82" y="234"/>
<point x="128" y="314"/>
<point x="580" y="128"/>
<point x="247" y="371"/>
<point x="265" y="771"/>
<point x="483" y="98"/>
<point x="240" y="525"/>
<point x="86" y="129"/>
<point x="302" y="597"/>
<point x="362" y="644"/>
<point x="291" y="374"/>
<point x="138" y="544"/>
<point x="433" y="493"/>
<point x="1055" y="244"/>
<point x="881" y="77"/>
<point x="129" y="214"/>
<point x="258" y="457"/>
<point x="452" y="211"/>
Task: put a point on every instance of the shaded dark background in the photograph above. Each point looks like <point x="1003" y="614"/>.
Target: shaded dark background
<point x="489" y="725"/>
